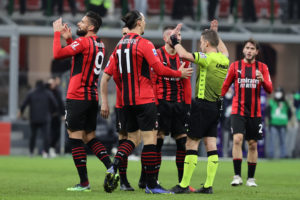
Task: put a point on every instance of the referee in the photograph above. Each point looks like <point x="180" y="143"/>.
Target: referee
<point x="212" y="65"/>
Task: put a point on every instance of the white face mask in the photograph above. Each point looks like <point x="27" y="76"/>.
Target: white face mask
<point x="278" y="95"/>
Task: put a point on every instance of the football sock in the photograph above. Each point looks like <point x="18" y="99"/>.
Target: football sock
<point x="180" y="155"/>
<point x="159" y="144"/>
<point x="79" y="157"/>
<point x="212" y="166"/>
<point x="123" y="166"/>
<point x="124" y="150"/>
<point x="149" y="160"/>
<point x="100" y="151"/>
<point x="251" y="169"/>
<point x="237" y="165"/>
<point x="190" y="163"/>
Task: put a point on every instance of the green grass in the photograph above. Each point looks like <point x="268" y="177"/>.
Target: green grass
<point x="38" y="179"/>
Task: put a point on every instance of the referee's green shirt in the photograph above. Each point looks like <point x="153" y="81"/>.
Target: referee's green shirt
<point x="211" y="73"/>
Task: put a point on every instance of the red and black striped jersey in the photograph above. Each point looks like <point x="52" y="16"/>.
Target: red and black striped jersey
<point x="171" y="88"/>
<point x="110" y="70"/>
<point x="88" y="54"/>
<point x="246" y="100"/>
<point x="134" y="57"/>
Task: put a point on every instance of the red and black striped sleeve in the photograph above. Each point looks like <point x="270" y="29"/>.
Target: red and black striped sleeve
<point x="229" y="79"/>
<point x="70" y="50"/>
<point x="267" y="84"/>
<point x="187" y="87"/>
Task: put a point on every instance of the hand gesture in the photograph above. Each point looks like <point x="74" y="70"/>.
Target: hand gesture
<point x="214" y="25"/>
<point x="259" y="76"/>
<point x="104" y="111"/>
<point x="57" y="25"/>
<point x="66" y="32"/>
<point x="185" y="72"/>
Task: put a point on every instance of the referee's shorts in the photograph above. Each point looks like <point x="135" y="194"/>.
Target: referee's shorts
<point x="204" y="118"/>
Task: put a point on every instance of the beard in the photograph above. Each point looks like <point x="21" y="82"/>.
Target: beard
<point x="81" y="32"/>
<point x="250" y="58"/>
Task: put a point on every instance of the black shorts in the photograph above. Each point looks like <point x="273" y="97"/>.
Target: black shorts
<point x="171" y="116"/>
<point x="143" y="117"/>
<point x="251" y="127"/>
<point x="204" y="119"/>
<point x="120" y="120"/>
<point x="81" y="115"/>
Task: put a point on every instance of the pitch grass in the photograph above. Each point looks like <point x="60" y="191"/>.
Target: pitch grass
<point x="27" y="178"/>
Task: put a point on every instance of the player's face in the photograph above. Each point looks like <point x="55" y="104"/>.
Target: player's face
<point x="143" y="24"/>
<point x="203" y="44"/>
<point x="82" y="26"/>
<point x="250" y="51"/>
<point x="167" y="35"/>
<point x="125" y="30"/>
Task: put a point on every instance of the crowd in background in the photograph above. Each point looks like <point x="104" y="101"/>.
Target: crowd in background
<point x="246" y="10"/>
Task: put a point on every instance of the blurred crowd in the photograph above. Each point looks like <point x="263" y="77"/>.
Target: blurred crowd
<point x="245" y="10"/>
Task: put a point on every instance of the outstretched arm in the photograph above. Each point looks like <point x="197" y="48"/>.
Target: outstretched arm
<point x="221" y="47"/>
<point x="179" y="48"/>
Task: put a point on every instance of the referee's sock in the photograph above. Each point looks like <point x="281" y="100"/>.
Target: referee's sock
<point x="159" y="144"/>
<point x="79" y="157"/>
<point x="251" y="169"/>
<point x="124" y="150"/>
<point x="149" y="160"/>
<point x="212" y="166"/>
<point x="100" y="151"/>
<point x="123" y="166"/>
<point x="190" y="163"/>
<point x="180" y="155"/>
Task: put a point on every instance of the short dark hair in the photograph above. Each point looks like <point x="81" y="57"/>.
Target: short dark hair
<point x="131" y="18"/>
<point x="211" y="36"/>
<point x="169" y="27"/>
<point x="252" y="41"/>
<point x="95" y="20"/>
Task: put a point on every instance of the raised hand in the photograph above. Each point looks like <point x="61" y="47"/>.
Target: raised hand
<point x="57" y="25"/>
<point x="214" y="25"/>
<point x="66" y="32"/>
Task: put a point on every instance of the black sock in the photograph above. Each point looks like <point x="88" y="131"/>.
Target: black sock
<point x="123" y="167"/>
<point x="237" y="165"/>
<point x="159" y="144"/>
<point x="124" y="150"/>
<point x="149" y="159"/>
<point x="100" y="151"/>
<point x="79" y="157"/>
<point x="180" y="155"/>
<point x="251" y="169"/>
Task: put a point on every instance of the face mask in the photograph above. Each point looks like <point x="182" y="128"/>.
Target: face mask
<point x="278" y="95"/>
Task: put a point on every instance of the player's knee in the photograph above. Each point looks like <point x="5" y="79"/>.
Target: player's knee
<point x="252" y="146"/>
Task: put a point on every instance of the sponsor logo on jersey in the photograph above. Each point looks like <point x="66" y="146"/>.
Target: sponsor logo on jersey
<point x="202" y="55"/>
<point x="248" y="82"/>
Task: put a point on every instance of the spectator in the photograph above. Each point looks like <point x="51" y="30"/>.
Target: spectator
<point x="57" y="116"/>
<point x="60" y="5"/>
<point x="182" y="8"/>
<point x="211" y="9"/>
<point x="99" y="6"/>
<point x="297" y="106"/>
<point x="279" y="113"/>
<point x="293" y="9"/>
<point x="249" y="13"/>
<point x="42" y="103"/>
